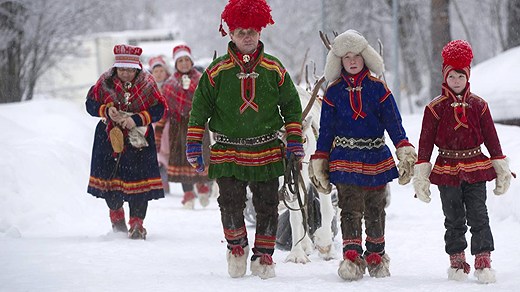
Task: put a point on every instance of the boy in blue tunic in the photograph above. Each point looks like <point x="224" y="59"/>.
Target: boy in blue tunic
<point x="351" y="152"/>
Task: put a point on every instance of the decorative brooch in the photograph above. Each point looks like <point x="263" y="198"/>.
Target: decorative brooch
<point x="126" y="87"/>
<point x="357" y="88"/>
<point x="243" y="75"/>
<point x="246" y="58"/>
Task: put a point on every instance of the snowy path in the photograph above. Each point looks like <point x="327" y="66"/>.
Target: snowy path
<point x="55" y="237"/>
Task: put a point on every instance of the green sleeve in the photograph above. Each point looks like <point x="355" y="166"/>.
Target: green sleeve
<point x="202" y="106"/>
<point x="291" y="109"/>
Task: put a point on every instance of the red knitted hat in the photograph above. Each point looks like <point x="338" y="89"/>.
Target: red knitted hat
<point x="456" y="55"/>
<point x="255" y="14"/>
<point x="181" y="51"/>
<point x="127" y="56"/>
<point x="156" y="61"/>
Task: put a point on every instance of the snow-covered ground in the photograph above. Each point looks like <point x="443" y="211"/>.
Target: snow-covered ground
<point x="56" y="237"/>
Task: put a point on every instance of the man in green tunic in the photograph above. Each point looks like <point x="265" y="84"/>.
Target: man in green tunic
<point x="247" y="96"/>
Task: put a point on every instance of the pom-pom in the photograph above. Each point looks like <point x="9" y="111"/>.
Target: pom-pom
<point x="246" y="14"/>
<point x="458" y="54"/>
<point x="351" y="255"/>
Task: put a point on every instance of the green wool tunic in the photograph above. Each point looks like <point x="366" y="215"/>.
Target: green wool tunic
<point x="239" y="105"/>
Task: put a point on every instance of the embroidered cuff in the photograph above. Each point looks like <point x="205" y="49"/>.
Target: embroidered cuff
<point x="403" y="143"/>
<point x="320" y="155"/>
<point x="294" y="131"/>
<point x="195" y="133"/>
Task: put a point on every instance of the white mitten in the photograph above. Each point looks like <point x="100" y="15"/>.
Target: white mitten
<point x="503" y="179"/>
<point x="407" y="158"/>
<point x="319" y="174"/>
<point x="421" y="181"/>
<point x="185" y="81"/>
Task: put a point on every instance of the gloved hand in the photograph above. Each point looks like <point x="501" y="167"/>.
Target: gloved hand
<point x="194" y="155"/>
<point x="421" y="181"/>
<point x="503" y="179"/>
<point x="319" y="174"/>
<point x="407" y="158"/>
<point x="295" y="148"/>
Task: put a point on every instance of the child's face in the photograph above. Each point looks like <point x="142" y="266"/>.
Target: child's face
<point x="456" y="81"/>
<point x="159" y="73"/>
<point x="353" y="63"/>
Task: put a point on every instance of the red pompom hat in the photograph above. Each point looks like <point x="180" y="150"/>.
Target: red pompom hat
<point x="255" y="14"/>
<point x="456" y="55"/>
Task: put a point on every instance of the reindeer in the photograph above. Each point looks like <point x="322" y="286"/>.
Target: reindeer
<point x="298" y="208"/>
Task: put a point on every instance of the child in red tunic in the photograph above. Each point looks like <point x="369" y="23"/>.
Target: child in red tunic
<point x="458" y="122"/>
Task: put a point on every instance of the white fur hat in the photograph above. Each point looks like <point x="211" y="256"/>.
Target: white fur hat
<point x="351" y="41"/>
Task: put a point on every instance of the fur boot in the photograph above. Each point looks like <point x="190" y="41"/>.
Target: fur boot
<point x="378" y="266"/>
<point x="237" y="261"/>
<point x="459" y="268"/>
<point x="263" y="266"/>
<point x="204" y="193"/>
<point x="117" y="217"/>
<point x="137" y="231"/>
<point x="352" y="267"/>
<point x="188" y="201"/>
<point x="483" y="271"/>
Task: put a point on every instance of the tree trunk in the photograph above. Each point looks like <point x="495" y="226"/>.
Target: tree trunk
<point x="10" y="57"/>
<point x="513" y="24"/>
<point x="441" y="35"/>
<point x="409" y="48"/>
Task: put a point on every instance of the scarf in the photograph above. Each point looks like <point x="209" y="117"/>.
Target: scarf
<point x="459" y="104"/>
<point x="140" y="95"/>
<point x="354" y="91"/>
<point x="180" y="99"/>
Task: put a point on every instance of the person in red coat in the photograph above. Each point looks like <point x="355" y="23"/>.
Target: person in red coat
<point x="458" y="122"/>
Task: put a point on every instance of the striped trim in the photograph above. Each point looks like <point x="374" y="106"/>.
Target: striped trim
<point x="378" y="240"/>
<point x="265" y="241"/>
<point x="362" y="168"/>
<point x="235" y="234"/>
<point x="129" y="188"/>
<point x="220" y="66"/>
<point x="352" y="241"/>
<point x="102" y="112"/>
<point x="434" y="102"/>
<point x="385" y="97"/>
<point x="185" y="171"/>
<point x="246" y="158"/>
<point x="327" y="101"/>
<point x="195" y="133"/>
<point x="294" y="128"/>
<point x="146" y="118"/>
<point x="274" y="66"/>
<point x="462" y="167"/>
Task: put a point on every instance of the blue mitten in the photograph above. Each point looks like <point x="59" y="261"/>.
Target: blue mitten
<point x="295" y="148"/>
<point x="194" y="155"/>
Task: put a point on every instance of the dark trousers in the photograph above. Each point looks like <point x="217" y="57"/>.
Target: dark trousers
<point x="359" y="203"/>
<point x="137" y="207"/>
<point x="466" y="204"/>
<point x="232" y="202"/>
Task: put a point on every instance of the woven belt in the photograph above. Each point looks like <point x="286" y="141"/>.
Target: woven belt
<point x="360" y="143"/>
<point x="219" y="138"/>
<point x="460" y="153"/>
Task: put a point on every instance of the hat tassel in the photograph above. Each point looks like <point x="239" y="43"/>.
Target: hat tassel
<point x="221" y="29"/>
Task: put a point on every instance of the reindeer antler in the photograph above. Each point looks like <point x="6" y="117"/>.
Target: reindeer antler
<point x="325" y="40"/>
<point x="314" y="94"/>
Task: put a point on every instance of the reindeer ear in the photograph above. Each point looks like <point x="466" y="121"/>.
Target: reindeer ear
<point x="332" y="67"/>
